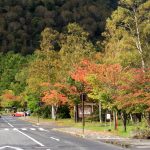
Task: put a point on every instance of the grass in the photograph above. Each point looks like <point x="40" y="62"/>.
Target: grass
<point x="96" y="126"/>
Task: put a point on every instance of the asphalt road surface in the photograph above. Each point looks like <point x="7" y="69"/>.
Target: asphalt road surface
<point x="21" y="135"/>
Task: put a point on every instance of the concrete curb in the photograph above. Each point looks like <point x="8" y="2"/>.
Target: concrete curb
<point x="117" y="142"/>
<point x="122" y="144"/>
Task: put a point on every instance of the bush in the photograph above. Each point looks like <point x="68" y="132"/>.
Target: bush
<point x="63" y="112"/>
<point x="141" y="134"/>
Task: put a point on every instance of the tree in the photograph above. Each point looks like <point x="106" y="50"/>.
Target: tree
<point x="75" y="47"/>
<point x="127" y="34"/>
<point x="10" y="65"/>
<point x="132" y="93"/>
<point x="44" y="68"/>
<point x="45" y="65"/>
<point x="9" y="99"/>
<point x="76" y="84"/>
<point x="55" y="98"/>
<point x="103" y="81"/>
<point x="50" y="40"/>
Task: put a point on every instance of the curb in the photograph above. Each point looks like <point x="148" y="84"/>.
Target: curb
<point x="117" y="143"/>
<point x="122" y="144"/>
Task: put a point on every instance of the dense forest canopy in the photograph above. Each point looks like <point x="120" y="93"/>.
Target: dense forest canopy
<point x="22" y="21"/>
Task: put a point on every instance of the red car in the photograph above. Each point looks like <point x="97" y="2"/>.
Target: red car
<point x="18" y="114"/>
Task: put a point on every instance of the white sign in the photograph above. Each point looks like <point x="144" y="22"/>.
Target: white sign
<point x="16" y="148"/>
<point x="108" y="116"/>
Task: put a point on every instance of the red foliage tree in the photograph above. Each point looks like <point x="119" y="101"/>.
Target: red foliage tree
<point x="54" y="96"/>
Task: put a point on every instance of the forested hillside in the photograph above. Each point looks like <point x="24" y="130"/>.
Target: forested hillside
<point x="22" y="21"/>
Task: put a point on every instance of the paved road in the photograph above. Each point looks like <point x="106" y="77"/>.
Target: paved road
<point x="20" y="135"/>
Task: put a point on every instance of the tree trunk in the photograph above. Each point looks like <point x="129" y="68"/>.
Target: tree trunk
<point x="115" y="120"/>
<point x="138" y="41"/>
<point x="53" y="112"/>
<point x="74" y="113"/>
<point x="131" y="118"/>
<point x="148" y="118"/>
<point x="100" y="112"/>
<point x="124" y="118"/>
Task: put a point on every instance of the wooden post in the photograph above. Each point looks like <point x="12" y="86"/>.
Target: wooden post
<point x="83" y="97"/>
<point x="100" y="112"/>
<point x="83" y="121"/>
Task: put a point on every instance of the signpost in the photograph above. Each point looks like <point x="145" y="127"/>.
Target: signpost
<point x="108" y="116"/>
<point x="83" y="97"/>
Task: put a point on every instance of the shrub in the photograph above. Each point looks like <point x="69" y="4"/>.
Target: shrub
<point x="141" y="134"/>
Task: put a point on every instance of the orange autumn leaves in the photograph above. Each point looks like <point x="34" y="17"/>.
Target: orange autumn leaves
<point x="104" y="73"/>
<point x="54" y="96"/>
<point x="9" y="96"/>
<point x="128" y="87"/>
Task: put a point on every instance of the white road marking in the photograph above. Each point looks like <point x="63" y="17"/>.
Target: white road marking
<point x="15" y="129"/>
<point x="24" y="129"/>
<point x="55" y="139"/>
<point x="41" y="129"/>
<point x="34" y="140"/>
<point x="16" y="148"/>
<point x="10" y="124"/>
<point x="6" y="129"/>
<point x="33" y="129"/>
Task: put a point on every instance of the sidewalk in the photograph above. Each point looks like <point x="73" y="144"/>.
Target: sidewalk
<point x="102" y="136"/>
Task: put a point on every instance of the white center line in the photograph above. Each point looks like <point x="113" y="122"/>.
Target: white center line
<point x="6" y="129"/>
<point x="24" y="129"/>
<point x="31" y="138"/>
<point x="33" y="129"/>
<point x="55" y="139"/>
<point x="41" y="129"/>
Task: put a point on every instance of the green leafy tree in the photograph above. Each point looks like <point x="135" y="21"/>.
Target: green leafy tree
<point x="127" y="34"/>
<point x="10" y="65"/>
<point x="75" y="47"/>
